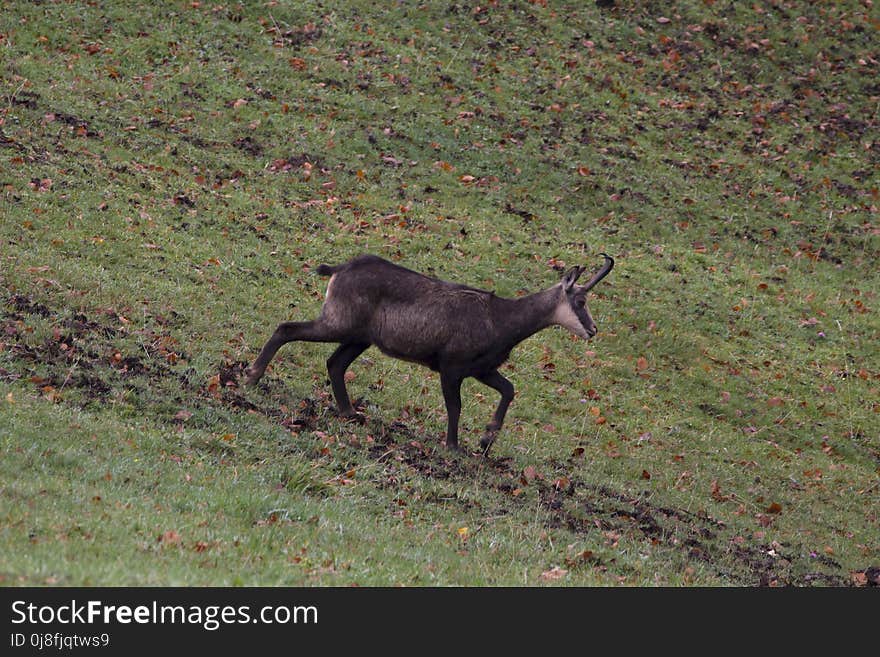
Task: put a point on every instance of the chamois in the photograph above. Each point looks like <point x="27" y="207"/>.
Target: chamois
<point x="456" y="330"/>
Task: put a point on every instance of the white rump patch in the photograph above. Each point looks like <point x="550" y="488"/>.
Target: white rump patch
<point x="329" y="288"/>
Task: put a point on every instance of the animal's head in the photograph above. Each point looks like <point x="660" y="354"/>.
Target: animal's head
<point x="572" y="311"/>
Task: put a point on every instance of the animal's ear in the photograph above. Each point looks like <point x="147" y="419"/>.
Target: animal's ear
<point x="571" y="277"/>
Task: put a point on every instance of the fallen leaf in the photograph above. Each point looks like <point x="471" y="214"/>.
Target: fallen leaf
<point x="170" y="537"/>
<point x="553" y="574"/>
<point x="716" y="492"/>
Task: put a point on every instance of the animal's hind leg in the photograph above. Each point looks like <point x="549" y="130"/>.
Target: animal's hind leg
<point x="336" y="366"/>
<point x="495" y="380"/>
<point x="451" y="386"/>
<point x="287" y="332"/>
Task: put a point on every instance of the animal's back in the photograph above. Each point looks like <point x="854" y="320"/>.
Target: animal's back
<point x="407" y="314"/>
<point x="370" y="274"/>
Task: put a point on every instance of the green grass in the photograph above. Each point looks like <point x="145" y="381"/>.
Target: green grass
<point x="171" y="175"/>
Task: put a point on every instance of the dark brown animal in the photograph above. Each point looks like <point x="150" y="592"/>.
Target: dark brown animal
<point x="456" y="330"/>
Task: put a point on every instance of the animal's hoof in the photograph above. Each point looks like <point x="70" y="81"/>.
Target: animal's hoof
<point x="354" y="416"/>
<point x="487" y="441"/>
<point x="455" y="447"/>
<point x="252" y="376"/>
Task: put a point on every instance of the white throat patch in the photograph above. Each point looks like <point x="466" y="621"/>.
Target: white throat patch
<point x="564" y="316"/>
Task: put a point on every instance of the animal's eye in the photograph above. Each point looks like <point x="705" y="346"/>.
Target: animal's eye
<point x="580" y="303"/>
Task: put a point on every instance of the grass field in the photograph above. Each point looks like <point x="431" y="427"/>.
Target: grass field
<point x="173" y="173"/>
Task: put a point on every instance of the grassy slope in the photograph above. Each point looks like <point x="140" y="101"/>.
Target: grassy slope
<point x="171" y="174"/>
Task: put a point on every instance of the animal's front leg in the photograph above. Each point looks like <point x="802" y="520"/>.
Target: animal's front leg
<point x="495" y="380"/>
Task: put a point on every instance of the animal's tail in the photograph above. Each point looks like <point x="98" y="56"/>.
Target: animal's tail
<point x="326" y="270"/>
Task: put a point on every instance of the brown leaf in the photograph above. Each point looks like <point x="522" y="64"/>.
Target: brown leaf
<point x="775" y="507"/>
<point x="553" y="574"/>
<point x="859" y="578"/>
<point x="169" y="537"/>
<point x="41" y="184"/>
<point x="528" y="474"/>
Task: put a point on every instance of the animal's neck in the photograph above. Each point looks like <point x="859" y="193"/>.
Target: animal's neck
<point x="530" y="314"/>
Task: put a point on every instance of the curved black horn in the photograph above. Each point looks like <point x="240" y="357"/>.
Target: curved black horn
<point x="602" y="273"/>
